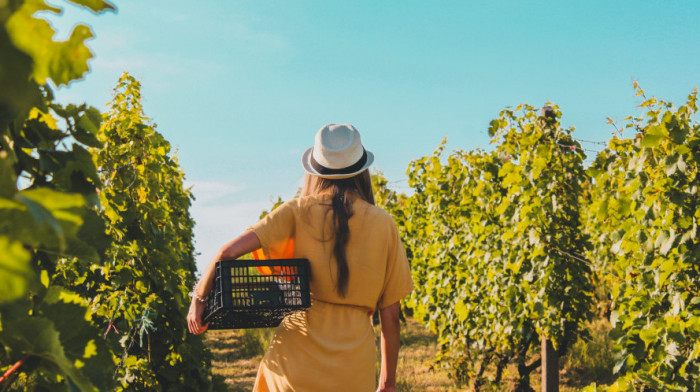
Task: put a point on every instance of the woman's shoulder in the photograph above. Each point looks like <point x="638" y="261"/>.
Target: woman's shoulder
<point x="367" y="210"/>
<point x="303" y="201"/>
<point x="375" y="212"/>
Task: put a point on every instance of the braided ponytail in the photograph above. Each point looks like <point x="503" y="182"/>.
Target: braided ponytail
<point x="342" y="192"/>
<point x="342" y="212"/>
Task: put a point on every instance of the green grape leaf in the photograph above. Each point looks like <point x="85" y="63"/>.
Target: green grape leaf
<point x="676" y="131"/>
<point x="665" y="241"/>
<point x="620" y="365"/>
<point x="62" y="62"/>
<point x="16" y="273"/>
<point x="671" y="164"/>
<point x="87" y="127"/>
<point x="38" y="336"/>
<point x="538" y="165"/>
<point x="511" y="178"/>
<point x="8" y="180"/>
<point x="461" y="311"/>
<point x="74" y="171"/>
<point x="649" y="335"/>
<point x="80" y="339"/>
<point x="654" y="135"/>
<point x="42" y="217"/>
<point x="17" y="92"/>
<point x="70" y="61"/>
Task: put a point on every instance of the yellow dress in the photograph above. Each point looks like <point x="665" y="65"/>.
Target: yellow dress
<point x="331" y="346"/>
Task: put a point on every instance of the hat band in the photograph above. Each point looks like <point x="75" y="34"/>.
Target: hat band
<point x="346" y="170"/>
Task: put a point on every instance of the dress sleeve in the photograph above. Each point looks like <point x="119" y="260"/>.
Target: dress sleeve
<point x="398" y="282"/>
<point x="276" y="231"/>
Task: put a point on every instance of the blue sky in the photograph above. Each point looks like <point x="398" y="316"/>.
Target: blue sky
<point x="241" y="87"/>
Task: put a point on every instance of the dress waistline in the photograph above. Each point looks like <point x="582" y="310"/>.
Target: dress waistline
<point x="358" y="307"/>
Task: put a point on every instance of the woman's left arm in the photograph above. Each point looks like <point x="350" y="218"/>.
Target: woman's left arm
<point x="243" y="244"/>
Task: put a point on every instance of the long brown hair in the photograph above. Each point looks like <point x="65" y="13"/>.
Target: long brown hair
<point x="343" y="192"/>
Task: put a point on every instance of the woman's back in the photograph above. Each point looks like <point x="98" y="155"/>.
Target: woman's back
<point x="333" y="343"/>
<point x="372" y="252"/>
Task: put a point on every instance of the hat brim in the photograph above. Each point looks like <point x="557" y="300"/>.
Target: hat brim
<point x="305" y="162"/>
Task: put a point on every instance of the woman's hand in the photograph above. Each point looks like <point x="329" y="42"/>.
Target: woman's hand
<point x="386" y="389"/>
<point x="245" y="243"/>
<point x="194" y="317"/>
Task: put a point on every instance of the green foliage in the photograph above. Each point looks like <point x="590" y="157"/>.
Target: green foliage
<point x="276" y="204"/>
<point x="48" y="186"/>
<point x="494" y="241"/>
<point x="643" y="216"/>
<point x="61" y="62"/>
<point x="16" y="271"/>
<point x="140" y="293"/>
<point x="71" y="274"/>
<point x="385" y="197"/>
<point x="542" y="178"/>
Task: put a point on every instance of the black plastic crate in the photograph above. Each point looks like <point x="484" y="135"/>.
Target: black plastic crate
<point x="243" y="297"/>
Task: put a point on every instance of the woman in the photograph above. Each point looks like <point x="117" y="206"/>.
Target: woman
<point x="358" y="265"/>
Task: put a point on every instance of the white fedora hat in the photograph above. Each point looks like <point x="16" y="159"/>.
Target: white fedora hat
<point x="337" y="153"/>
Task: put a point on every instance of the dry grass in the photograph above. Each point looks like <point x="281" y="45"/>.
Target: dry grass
<point x="237" y="355"/>
<point x="235" y="358"/>
<point x="415" y="370"/>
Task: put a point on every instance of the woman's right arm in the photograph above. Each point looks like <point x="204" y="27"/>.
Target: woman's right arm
<point x="243" y="244"/>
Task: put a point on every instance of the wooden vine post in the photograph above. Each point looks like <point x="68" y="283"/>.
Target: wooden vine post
<point x="550" y="357"/>
<point x="550" y="366"/>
